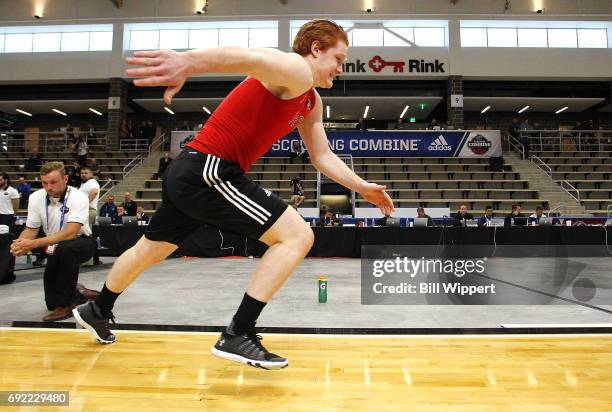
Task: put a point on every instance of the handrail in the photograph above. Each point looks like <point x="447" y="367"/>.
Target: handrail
<point x="108" y="182"/>
<point x="542" y="166"/>
<point x="582" y="140"/>
<point x="52" y="141"/>
<point x="572" y="188"/>
<point x="560" y="207"/>
<point x="517" y="146"/>
<point x="135" y="162"/>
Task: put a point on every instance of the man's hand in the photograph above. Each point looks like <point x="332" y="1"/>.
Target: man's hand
<point x="376" y="195"/>
<point x="162" y="68"/>
<point x="20" y="247"/>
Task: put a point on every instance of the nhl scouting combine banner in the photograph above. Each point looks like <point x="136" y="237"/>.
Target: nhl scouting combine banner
<point x="435" y="143"/>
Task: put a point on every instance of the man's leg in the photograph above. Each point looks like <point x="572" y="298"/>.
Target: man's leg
<point x="94" y="316"/>
<point x="289" y="240"/>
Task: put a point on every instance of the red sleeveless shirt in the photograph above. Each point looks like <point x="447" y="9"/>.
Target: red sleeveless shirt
<point x="249" y="121"/>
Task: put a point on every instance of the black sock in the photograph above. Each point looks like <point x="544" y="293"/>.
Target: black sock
<point x="246" y="315"/>
<point x="106" y="301"/>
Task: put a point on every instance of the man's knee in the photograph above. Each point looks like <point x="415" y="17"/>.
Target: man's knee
<point x="151" y="252"/>
<point x="305" y="239"/>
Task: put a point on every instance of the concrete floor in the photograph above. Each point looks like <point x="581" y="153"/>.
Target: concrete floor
<point x="206" y="292"/>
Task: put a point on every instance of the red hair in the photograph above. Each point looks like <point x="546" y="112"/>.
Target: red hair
<point x="326" y="32"/>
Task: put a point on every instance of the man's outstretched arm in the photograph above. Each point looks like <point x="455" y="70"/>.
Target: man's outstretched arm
<point x="315" y="139"/>
<point x="171" y="68"/>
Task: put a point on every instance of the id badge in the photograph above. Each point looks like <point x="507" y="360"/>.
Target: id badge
<point x="50" y="249"/>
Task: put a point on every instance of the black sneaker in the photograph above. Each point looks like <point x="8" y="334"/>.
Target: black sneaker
<point x="247" y="348"/>
<point x="89" y="316"/>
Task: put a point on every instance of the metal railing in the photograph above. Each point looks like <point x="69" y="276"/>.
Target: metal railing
<point x="569" y="188"/>
<point x="540" y="164"/>
<point x="138" y="160"/>
<point x="568" y="140"/>
<point x="55" y="141"/>
<point x="560" y="210"/>
<point x="134" y="145"/>
<point x="516" y="146"/>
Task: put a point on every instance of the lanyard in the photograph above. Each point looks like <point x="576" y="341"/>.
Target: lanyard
<point x="62" y="209"/>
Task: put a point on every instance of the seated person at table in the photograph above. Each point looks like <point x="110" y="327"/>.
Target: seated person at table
<point x="535" y="218"/>
<point x="109" y="209"/>
<point x="487" y="219"/>
<point x="329" y="219"/>
<point x="421" y="213"/>
<point x="118" y="220"/>
<point x="515" y="218"/>
<point x="462" y="216"/>
<point x="141" y="216"/>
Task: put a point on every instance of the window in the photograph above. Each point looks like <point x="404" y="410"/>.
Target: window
<point x="201" y="39"/>
<point x="100" y="40"/>
<point x="429" y="36"/>
<point x="47" y="42"/>
<point x="234" y="37"/>
<point x="532" y="38"/>
<point x="367" y="37"/>
<point x="592" y="38"/>
<point x="75" y="41"/>
<point x="18" y="43"/>
<point x="144" y="39"/>
<point x="389" y="39"/>
<point x="473" y="37"/>
<point x="501" y="37"/>
<point x="562" y="38"/>
<point x="65" y="38"/>
<point x="174" y="39"/>
<point x="263" y="37"/>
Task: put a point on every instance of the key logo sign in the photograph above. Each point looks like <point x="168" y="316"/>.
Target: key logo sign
<point x="379" y="65"/>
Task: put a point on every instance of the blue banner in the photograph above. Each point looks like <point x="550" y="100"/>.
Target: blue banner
<point x="434" y="143"/>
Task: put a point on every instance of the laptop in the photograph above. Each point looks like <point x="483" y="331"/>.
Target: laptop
<point x="392" y="222"/>
<point x="130" y="221"/>
<point x="103" y="220"/>
<point x="545" y="221"/>
<point x="471" y="223"/>
<point x="608" y="222"/>
<point x="420" y="222"/>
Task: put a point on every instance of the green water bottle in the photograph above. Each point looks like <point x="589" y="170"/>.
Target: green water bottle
<point x="322" y="289"/>
<point x="29" y="258"/>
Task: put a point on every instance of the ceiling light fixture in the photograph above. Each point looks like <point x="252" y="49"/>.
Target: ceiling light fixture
<point x="523" y="109"/>
<point x="365" y="112"/>
<point x="206" y="109"/>
<point x="59" y="112"/>
<point x="485" y="109"/>
<point x="168" y="110"/>
<point x="561" y="110"/>
<point x="24" y="112"/>
<point x="404" y="111"/>
<point x="91" y="109"/>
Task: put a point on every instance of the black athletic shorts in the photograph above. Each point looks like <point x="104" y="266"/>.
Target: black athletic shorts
<point x="199" y="189"/>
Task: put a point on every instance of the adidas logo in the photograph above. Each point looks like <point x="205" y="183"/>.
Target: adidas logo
<point x="268" y="193"/>
<point x="439" y="144"/>
<point x="222" y="342"/>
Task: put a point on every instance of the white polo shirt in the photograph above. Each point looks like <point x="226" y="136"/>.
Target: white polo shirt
<point x="87" y="187"/>
<point x="6" y="197"/>
<point x="47" y="212"/>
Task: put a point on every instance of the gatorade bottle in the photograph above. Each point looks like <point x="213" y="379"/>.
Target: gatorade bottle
<point x="322" y="289"/>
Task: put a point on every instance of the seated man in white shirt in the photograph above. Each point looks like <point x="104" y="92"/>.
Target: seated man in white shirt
<point x="534" y="219"/>
<point x="63" y="213"/>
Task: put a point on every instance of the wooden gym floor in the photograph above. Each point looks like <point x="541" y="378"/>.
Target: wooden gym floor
<point x="166" y="371"/>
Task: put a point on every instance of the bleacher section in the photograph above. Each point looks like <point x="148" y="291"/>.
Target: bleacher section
<point x="411" y="182"/>
<point x="589" y="172"/>
<point x="111" y="166"/>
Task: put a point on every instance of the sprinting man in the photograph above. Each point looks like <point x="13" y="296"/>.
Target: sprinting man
<point x="206" y="183"/>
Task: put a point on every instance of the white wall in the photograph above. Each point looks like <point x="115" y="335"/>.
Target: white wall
<point x="19" y="10"/>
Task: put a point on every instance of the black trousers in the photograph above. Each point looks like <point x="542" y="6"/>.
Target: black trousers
<point x="62" y="271"/>
<point x="8" y="220"/>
